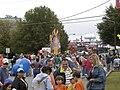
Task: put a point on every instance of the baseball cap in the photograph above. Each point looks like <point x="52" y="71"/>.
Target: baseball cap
<point x="7" y="81"/>
<point x="5" y="60"/>
<point x="20" y="70"/>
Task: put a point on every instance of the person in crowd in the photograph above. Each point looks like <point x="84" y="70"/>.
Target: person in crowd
<point x="79" y="84"/>
<point x="42" y="81"/>
<point x="36" y="67"/>
<point x="88" y="62"/>
<point x="104" y="67"/>
<point x="108" y="62"/>
<point x="76" y="66"/>
<point x="83" y="60"/>
<point x="97" y="75"/>
<point x="16" y="56"/>
<point x="112" y="61"/>
<point x="64" y="71"/>
<point x="57" y="61"/>
<point x="78" y="58"/>
<point x="7" y="84"/>
<point x="19" y="83"/>
<point x="117" y="63"/>
<point x="59" y="83"/>
<point x="13" y="61"/>
<point x="71" y="86"/>
<point x="4" y="72"/>
<point x="21" y="55"/>
<point x="1" y="58"/>
<point x="49" y="63"/>
<point x="70" y="63"/>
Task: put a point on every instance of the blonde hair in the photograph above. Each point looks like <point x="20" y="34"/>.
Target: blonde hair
<point x="95" y="59"/>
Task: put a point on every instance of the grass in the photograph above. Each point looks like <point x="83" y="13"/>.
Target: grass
<point x="113" y="81"/>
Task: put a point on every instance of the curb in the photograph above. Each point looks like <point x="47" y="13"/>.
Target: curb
<point x="108" y="73"/>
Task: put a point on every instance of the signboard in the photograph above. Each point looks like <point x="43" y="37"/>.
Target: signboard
<point x="7" y="50"/>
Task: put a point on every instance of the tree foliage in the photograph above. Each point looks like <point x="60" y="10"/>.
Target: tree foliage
<point x="110" y="25"/>
<point x="5" y="27"/>
<point x="33" y="33"/>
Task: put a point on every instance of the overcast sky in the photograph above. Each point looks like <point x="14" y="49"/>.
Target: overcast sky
<point x="62" y="8"/>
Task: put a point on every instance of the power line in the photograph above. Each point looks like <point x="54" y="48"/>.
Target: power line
<point x="85" y="10"/>
<point x="81" y="18"/>
<point x="63" y="22"/>
<point x="82" y="21"/>
<point x="67" y="21"/>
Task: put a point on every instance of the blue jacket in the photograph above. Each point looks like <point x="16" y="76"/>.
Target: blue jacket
<point x="99" y="76"/>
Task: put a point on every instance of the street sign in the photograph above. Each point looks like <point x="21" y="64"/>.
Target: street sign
<point x="7" y="50"/>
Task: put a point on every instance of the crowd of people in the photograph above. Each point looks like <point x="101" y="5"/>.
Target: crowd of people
<point x="61" y="72"/>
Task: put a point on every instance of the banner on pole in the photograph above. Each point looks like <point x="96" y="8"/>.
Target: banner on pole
<point x="117" y="4"/>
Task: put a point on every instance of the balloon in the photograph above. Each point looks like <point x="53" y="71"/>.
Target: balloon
<point x="26" y="64"/>
<point x="15" y="67"/>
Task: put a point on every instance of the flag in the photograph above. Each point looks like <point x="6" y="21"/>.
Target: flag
<point x="117" y="4"/>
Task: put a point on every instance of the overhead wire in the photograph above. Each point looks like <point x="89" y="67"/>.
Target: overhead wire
<point x="82" y="21"/>
<point x="86" y="10"/>
<point x="69" y="21"/>
<point x="66" y="21"/>
<point x="82" y="18"/>
<point x="65" y="18"/>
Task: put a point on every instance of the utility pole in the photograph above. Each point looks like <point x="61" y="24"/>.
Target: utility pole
<point x="114" y="35"/>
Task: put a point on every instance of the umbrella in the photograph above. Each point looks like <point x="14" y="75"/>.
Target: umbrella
<point x="26" y="64"/>
<point x="15" y="67"/>
<point x="18" y="61"/>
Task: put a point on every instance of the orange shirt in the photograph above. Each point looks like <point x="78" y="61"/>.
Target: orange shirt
<point x="79" y="85"/>
<point x="61" y="87"/>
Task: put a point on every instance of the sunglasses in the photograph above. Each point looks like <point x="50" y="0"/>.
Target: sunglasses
<point x="5" y="63"/>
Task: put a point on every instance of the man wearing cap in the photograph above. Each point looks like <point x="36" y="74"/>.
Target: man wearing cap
<point x="4" y="73"/>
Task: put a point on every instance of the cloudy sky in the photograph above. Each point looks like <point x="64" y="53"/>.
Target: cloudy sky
<point x="62" y="8"/>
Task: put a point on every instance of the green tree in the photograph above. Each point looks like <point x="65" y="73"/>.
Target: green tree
<point x="110" y="25"/>
<point x="33" y="33"/>
<point x="5" y="26"/>
<point x="63" y="41"/>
